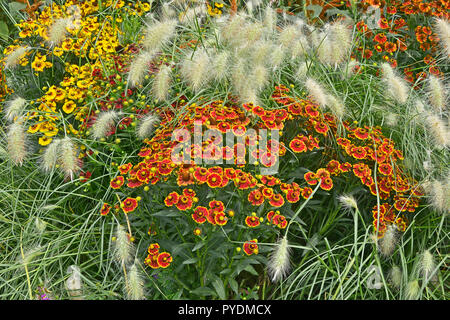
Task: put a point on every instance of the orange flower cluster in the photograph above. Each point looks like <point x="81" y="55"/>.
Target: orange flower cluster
<point x="368" y="151"/>
<point x="156" y="259"/>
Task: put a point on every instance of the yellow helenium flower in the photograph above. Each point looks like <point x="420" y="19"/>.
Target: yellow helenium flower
<point x="43" y="141"/>
<point x="69" y="106"/>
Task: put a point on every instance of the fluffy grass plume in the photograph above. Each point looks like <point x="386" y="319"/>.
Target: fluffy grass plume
<point x="279" y="262"/>
<point x="348" y="202"/>
<point x="396" y="87"/>
<point x="302" y="72"/>
<point x="438" y="130"/>
<point x="277" y="57"/>
<point x="260" y="76"/>
<point x="57" y="32"/>
<point x="161" y="83"/>
<point x="146" y="126"/>
<point x="427" y="264"/>
<point x="68" y="159"/>
<point x="14" y="108"/>
<point x="221" y="65"/>
<point x="123" y="248"/>
<point x="395" y="276"/>
<point x="436" y="93"/>
<point x="336" y="106"/>
<point x="139" y="67"/>
<point x="16" y="143"/>
<point x="14" y="57"/>
<point x="388" y="242"/>
<point x="50" y="156"/>
<point x="412" y="290"/>
<point x="317" y="92"/>
<point x="159" y="33"/>
<point x="135" y="285"/>
<point x="270" y="19"/>
<point x="104" y="123"/>
<point x="438" y="195"/>
<point x="442" y="28"/>
<point x="288" y="35"/>
<point x="196" y="71"/>
<point x="261" y="53"/>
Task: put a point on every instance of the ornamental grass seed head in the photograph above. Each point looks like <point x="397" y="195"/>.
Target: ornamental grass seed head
<point x="74" y="283"/>
<point x="104" y="123"/>
<point x="147" y="125"/>
<point x="15" y="108"/>
<point x="438" y="130"/>
<point x="139" y="67"/>
<point x="14" y="57"/>
<point x="348" y="202"/>
<point x="51" y="156"/>
<point x="220" y="64"/>
<point x="196" y="70"/>
<point x="161" y="83"/>
<point x="427" y="265"/>
<point x="436" y="93"/>
<point x="68" y="159"/>
<point x="279" y="263"/>
<point x="123" y="247"/>
<point x="396" y="87"/>
<point x="388" y="242"/>
<point x="412" y="290"/>
<point x="442" y="28"/>
<point x="159" y="34"/>
<point x="56" y="32"/>
<point x="17" y="143"/>
<point x="317" y="92"/>
<point x="395" y="277"/>
<point x="135" y="287"/>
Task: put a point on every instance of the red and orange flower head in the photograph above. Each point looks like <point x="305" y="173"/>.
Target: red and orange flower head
<point x="306" y="192"/>
<point x="214" y="180"/>
<point x="153" y="249"/>
<point x="270" y="215"/>
<point x="216" y="206"/>
<point x="220" y="219"/>
<point x="152" y="261"/>
<point x="277" y="200"/>
<point x="293" y="196"/>
<point x="255" y="197"/>
<point x="200" y="214"/>
<point x="311" y="178"/>
<point x="251" y="247"/>
<point x="125" y="168"/>
<point x="117" y="182"/>
<point x="385" y="169"/>
<point x="184" y="203"/>
<point x="105" y="209"/>
<point x="326" y="184"/>
<point x="280" y="221"/>
<point x="164" y="259"/>
<point x="252" y="221"/>
<point x="129" y="205"/>
<point x="201" y="174"/>
<point x="297" y="145"/>
<point x="189" y="193"/>
<point x="171" y="199"/>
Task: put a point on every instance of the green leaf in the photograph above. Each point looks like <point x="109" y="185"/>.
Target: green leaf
<point x="250" y="269"/>
<point x="198" y="246"/>
<point x="218" y="285"/>
<point x="4" y="32"/>
<point x="190" y="261"/>
<point x="204" y="291"/>
<point x="234" y="285"/>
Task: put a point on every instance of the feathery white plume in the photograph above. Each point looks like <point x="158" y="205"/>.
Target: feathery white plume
<point x="279" y="263"/>
<point x="146" y="126"/>
<point x="412" y="290"/>
<point x="135" y="288"/>
<point x="123" y="247"/>
<point x="276" y="57"/>
<point x="158" y="34"/>
<point x="396" y="87"/>
<point x="388" y="242"/>
<point x="221" y="65"/>
<point x="436" y="93"/>
<point x="104" y="123"/>
<point x="427" y="264"/>
<point x="197" y="71"/>
<point x="14" y="108"/>
<point x="317" y="92"/>
<point x="16" y="143"/>
<point x="395" y="276"/>
<point x="161" y="83"/>
<point x="14" y="57"/>
<point x="336" y="106"/>
<point x="68" y="159"/>
<point x="50" y="156"/>
<point x="57" y="32"/>
<point x="260" y="76"/>
<point x="442" y="28"/>
<point x="438" y="130"/>
<point x="139" y="67"/>
<point x="270" y="19"/>
<point x="302" y="71"/>
<point x="348" y="202"/>
<point x="260" y="53"/>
